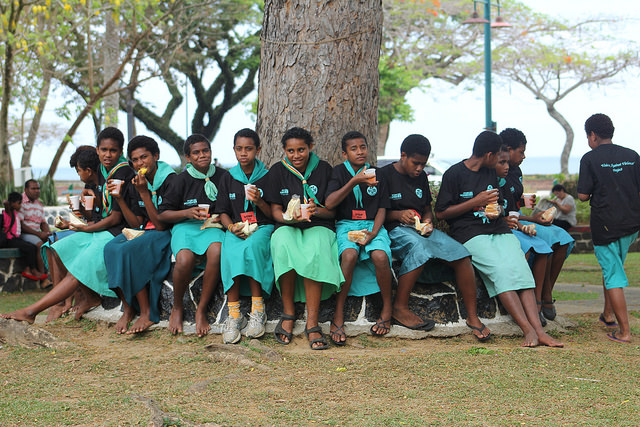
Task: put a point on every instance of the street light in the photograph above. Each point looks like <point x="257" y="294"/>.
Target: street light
<point x="499" y="23"/>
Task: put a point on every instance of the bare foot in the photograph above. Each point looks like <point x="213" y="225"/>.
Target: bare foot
<point x="530" y="339"/>
<point x="142" y="324"/>
<point x="175" y="320"/>
<point x="86" y="305"/>
<point x="407" y="317"/>
<point x="78" y="297"/>
<point x="545" y="339"/>
<point x="22" y="315"/>
<point x="202" y="324"/>
<point x="55" y="312"/>
<point x="123" y="323"/>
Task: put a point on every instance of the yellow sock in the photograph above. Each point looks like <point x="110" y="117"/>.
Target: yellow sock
<point x="234" y="309"/>
<point x="257" y="305"/>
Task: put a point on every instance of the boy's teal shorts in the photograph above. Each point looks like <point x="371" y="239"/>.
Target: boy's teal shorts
<point x="611" y="258"/>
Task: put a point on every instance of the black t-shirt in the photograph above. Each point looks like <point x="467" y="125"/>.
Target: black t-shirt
<point x="514" y="187"/>
<point x="611" y="175"/>
<point x="282" y="184"/>
<point x="186" y="192"/>
<point x="507" y="193"/>
<point x="126" y="174"/>
<point x="460" y="184"/>
<point x="231" y="198"/>
<point x="405" y="192"/>
<point x="160" y="192"/>
<point x="373" y="198"/>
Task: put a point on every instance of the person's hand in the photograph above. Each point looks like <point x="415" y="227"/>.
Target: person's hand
<point x="237" y="230"/>
<point x="44" y="235"/>
<point x="197" y="213"/>
<point x="512" y="222"/>
<point x="312" y="209"/>
<point x="111" y="186"/>
<point x="78" y="227"/>
<point x="361" y="178"/>
<point x="140" y="182"/>
<point x="370" y="236"/>
<point x="64" y="224"/>
<point x="407" y="216"/>
<point x="486" y="197"/>
<point x="254" y="194"/>
<point x="537" y="218"/>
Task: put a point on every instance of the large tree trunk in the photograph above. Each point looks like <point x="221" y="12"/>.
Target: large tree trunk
<point x="110" y="52"/>
<point x="383" y="136"/>
<point x="47" y="74"/>
<point x="319" y="71"/>
<point x="568" y="144"/>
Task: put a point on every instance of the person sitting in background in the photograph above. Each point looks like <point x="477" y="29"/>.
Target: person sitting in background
<point x="35" y="229"/>
<point x="566" y="205"/>
<point x="11" y="237"/>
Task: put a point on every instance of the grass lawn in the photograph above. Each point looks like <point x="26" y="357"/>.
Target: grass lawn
<point x="584" y="269"/>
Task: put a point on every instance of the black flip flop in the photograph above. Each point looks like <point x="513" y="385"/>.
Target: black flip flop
<point x="322" y="340"/>
<point x="380" y="324"/>
<point x="340" y="332"/>
<point x="279" y="330"/>
<point x="426" y="325"/>
<point x="481" y="339"/>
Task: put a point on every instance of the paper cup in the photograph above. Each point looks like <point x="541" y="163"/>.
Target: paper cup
<point x="304" y="211"/>
<point x="370" y="174"/>
<point x="75" y="202"/>
<point x="88" y="202"/>
<point x="246" y="192"/>
<point x="529" y="200"/>
<point x="514" y="213"/>
<point x="204" y="207"/>
<point x="118" y="184"/>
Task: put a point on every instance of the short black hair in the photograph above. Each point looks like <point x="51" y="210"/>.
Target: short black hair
<point x="85" y="157"/>
<point x="354" y="134"/>
<point x="513" y="138"/>
<point x="297" y="133"/>
<point x="416" y="144"/>
<point x="142" y="141"/>
<point x="558" y="187"/>
<point x="194" y="139"/>
<point x="14" y="197"/>
<point x="486" y="142"/>
<point x="504" y="148"/>
<point x="247" y="133"/>
<point x="601" y="125"/>
<point x="111" y="133"/>
<point x="28" y="182"/>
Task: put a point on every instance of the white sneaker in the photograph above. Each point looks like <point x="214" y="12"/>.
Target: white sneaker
<point x="256" y="325"/>
<point x="232" y="327"/>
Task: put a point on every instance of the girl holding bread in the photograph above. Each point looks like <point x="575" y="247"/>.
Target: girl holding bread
<point x="303" y="245"/>
<point x="245" y="264"/>
<point x="187" y="204"/>
<point x="138" y="260"/>
<point x="360" y="201"/>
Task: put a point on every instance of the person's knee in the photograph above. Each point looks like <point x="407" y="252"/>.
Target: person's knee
<point x="349" y="256"/>
<point x="213" y="251"/>
<point x="185" y="260"/>
<point x="379" y="258"/>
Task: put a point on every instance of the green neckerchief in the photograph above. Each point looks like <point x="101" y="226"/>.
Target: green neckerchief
<point x="209" y="187"/>
<point x="259" y="170"/>
<point x="106" y="197"/>
<point x="314" y="160"/>
<point x="163" y="170"/>
<point x="356" y="190"/>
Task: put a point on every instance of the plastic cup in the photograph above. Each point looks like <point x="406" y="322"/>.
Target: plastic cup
<point x="370" y="174"/>
<point x="118" y="184"/>
<point x="304" y="211"/>
<point x="248" y="187"/>
<point x="514" y="213"/>
<point x="88" y="202"/>
<point x="75" y="202"/>
<point x="529" y="200"/>
<point x="204" y="207"/>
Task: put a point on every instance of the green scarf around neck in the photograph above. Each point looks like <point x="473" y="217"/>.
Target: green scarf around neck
<point x="314" y="160"/>
<point x="259" y="170"/>
<point x="356" y="190"/>
<point x="163" y="170"/>
<point x="209" y="187"/>
<point x="106" y="197"/>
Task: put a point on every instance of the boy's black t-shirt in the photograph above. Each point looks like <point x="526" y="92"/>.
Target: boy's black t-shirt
<point x="373" y="198"/>
<point x="282" y="184"/>
<point x="186" y="192"/>
<point x="126" y="174"/>
<point x="514" y="187"/>
<point x="611" y="175"/>
<point x="460" y="184"/>
<point x="405" y="192"/>
<point x="231" y="198"/>
<point x="160" y="192"/>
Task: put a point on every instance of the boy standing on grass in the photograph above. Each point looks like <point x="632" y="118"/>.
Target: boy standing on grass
<point x="610" y="179"/>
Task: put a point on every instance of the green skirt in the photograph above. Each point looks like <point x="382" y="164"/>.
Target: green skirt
<point x="83" y="256"/>
<point x="312" y="253"/>
<point x="187" y="235"/>
<point x="250" y="257"/>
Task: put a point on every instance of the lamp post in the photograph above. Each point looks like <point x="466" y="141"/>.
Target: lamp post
<point x="499" y="23"/>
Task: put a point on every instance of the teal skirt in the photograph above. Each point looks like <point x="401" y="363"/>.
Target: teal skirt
<point x="312" y="253"/>
<point x="250" y="257"/>
<point x="57" y="235"/>
<point x="131" y="264"/>
<point x="82" y="254"/>
<point x="552" y="234"/>
<point x="187" y="235"/>
<point x="500" y="263"/>
<point x="364" y="275"/>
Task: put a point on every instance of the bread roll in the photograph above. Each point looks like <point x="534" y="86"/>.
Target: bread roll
<point x="492" y="211"/>
<point x="549" y="214"/>
<point x="357" y="236"/>
<point x="131" y="233"/>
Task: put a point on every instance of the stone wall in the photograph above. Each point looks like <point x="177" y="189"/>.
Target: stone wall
<point x="10" y="278"/>
<point x="584" y="244"/>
